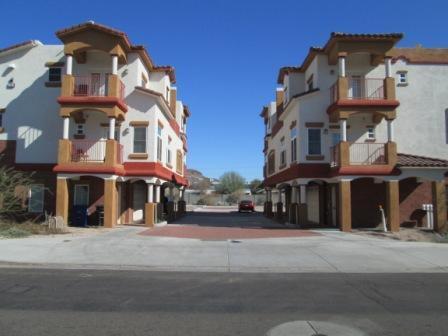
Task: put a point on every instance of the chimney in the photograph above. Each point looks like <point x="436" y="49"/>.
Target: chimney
<point x="173" y="99"/>
<point x="279" y="99"/>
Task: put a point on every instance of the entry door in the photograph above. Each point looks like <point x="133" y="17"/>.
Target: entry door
<point x="81" y="196"/>
<point x="139" y="201"/>
<point x="312" y="200"/>
<point x="95" y="84"/>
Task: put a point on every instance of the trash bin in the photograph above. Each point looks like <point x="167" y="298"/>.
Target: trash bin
<point x="79" y="215"/>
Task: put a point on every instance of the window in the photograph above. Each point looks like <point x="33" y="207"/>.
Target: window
<point x="310" y="83"/>
<point x="81" y="196"/>
<point x="168" y="152"/>
<point x="139" y="139"/>
<point x="167" y="94"/>
<point x="402" y="78"/>
<point x="294" y="144"/>
<point x="314" y="141"/>
<point x="79" y="129"/>
<point x="159" y="143"/>
<point x="1" y="120"/>
<point x="271" y="163"/>
<point x="371" y="133"/>
<point x="283" y="158"/>
<point x="179" y="162"/>
<point x="36" y="201"/>
<point x="54" y="74"/>
<point x="144" y="81"/>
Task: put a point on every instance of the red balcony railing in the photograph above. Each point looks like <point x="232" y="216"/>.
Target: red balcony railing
<point x="367" y="153"/>
<point x="365" y="88"/>
<point x="90" y="86"/>
<point x="88" y="150"/>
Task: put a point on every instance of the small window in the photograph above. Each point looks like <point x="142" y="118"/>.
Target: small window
<point x="314" y="141"/>
<point x="1" y="120"/>
<point x="144" y="81"/>
<point x="54" y="74"/>
<point x="79" y="129"/>
<point x="402" y="77"/>
<point x="139" y="139"/>
<point x="283" y="158"/>
<point x="310" y="83"/>
<point x="36" y="200"/>
<point x="294" y="144"/>
<point x="371" y="133"/>
<point x="159" y="143"/>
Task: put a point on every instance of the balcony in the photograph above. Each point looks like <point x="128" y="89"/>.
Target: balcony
<point x="358" y="157"/>
<point x="350" y="95"/>
<point x="95" y="91"/>
<point x="83" y="155"/>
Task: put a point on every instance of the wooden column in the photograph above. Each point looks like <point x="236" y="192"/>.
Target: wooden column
<point x="110" y="203"/>
<point x="439" y="203"/>
<point x="345" y="206"/>
<point x="393" y="206"/>
<point x="62" y="199"/>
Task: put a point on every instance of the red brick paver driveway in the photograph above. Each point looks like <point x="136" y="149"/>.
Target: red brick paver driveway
<point x="226" y="225"/>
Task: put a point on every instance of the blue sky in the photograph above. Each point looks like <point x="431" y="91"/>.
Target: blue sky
<point x="227" y="53"/>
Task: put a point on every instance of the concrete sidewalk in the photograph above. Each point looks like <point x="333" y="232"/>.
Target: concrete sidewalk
<point x="125" y="248"/>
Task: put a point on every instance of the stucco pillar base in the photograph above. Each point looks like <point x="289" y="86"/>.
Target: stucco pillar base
<point x="302" y="214"/>
<point x="268" y="209"/>
<point x="293" y="213"/>
<point x="110" y="203"/>
<point x="345" y="206"/>
<point x="391" y="153"/>
<point x="279" y="213"/>
<point x="150" y="214"/>
<point x="171" y="211"/>
<point x="439" y="203"/>
<point x="64" y="151"/>
<point x="393" y="206"/>
<point x="62" y="199"/>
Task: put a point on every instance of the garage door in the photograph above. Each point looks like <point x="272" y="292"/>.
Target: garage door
<point x="312" y="200"/>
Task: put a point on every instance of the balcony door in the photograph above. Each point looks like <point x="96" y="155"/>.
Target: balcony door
<point x="356" y="87"/>
<point x="95" y="84"/>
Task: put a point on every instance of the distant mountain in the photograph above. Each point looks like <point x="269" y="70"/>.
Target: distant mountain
<point x="197" y="180"/>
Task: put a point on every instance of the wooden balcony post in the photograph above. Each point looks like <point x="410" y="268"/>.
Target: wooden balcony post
<point x="344" y="154"/>
<point x="111" y="152"/>
<point x="389" y="88"/>
<point x="342" y="88"/>
<point x="390" y="152"/>
<point x="68" y="85"/>
<point x="113" y="89"/>
<point x="64" y="151"/>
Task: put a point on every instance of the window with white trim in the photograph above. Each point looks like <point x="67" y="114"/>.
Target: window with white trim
<point x="402" y="77"/>
<point x="79" y="129"/>
<point x="293" y="135"/>
<point x="36" y="200"/>
<point x="371" y="133"/>
<point x="159" y="143"/>
<point x="139" y="139"/>
<point x="314" y="141"/>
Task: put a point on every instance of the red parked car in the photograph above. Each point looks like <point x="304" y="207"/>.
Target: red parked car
<point x="246" y="206"/>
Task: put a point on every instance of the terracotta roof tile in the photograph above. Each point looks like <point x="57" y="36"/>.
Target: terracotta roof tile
<point x="420" y="55"/>
<point x="407" y="160"/>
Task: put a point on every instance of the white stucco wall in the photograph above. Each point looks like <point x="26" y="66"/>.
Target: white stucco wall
<point x="32" y="112"/>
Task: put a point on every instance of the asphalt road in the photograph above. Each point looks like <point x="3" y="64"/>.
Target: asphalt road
<point x="85" y="302"/>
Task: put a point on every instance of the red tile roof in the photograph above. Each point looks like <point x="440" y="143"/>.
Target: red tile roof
<point x="407" y="160"/>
